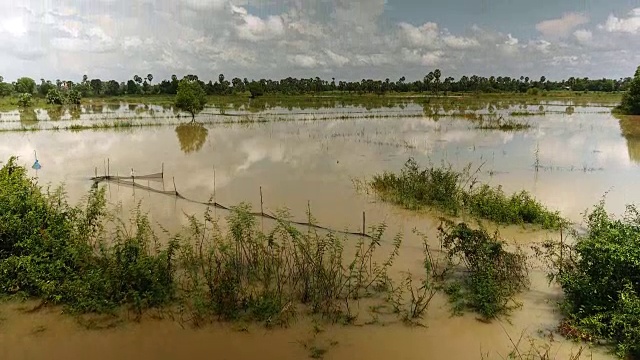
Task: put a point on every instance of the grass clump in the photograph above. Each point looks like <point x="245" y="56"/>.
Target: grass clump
<point x="600" y="276"/>
<point x="455" y="192"/>
<point x="490" y="276"/>
<point x="502" y="125"/>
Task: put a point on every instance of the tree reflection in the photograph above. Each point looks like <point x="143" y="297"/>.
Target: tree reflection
<point x="630" y="126"/>
<point x="28" y="117"/>
<point x="55" y="113"/>
<point x="191" y="136"/>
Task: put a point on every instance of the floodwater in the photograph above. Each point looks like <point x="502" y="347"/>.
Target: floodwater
<point x="569" y="159"/>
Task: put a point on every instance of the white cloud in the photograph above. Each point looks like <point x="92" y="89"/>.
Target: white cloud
<point x="204" y="4"/>
<point x="631" y="24"/>
<point x="305" y="61"/>
<point x="563" y="26"/>
<point x="458" y="42"/>
<point x="349" y="39"/>
<point x="336" y="59"/>
<point x="511" y="40"/>
<point x="254" y="28"/>
<point x="425" y="35"/>
<point x="583" y="35"/>
<point x="14" y="26"/>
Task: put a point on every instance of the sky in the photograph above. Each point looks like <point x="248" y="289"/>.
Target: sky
<point x="342" y="39"/>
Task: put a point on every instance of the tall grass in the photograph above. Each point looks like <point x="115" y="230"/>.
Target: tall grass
<point x="457" y="192"/>
<point x="88" y="260"/>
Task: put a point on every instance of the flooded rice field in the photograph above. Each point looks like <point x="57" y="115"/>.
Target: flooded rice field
<point x="569" y="158"/>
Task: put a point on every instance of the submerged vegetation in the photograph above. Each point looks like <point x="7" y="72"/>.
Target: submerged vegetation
<point x="600" y="276"/>
<point x="85" y="259"/>
<point x="457" y="192"/>
<point x="501" y="124"/>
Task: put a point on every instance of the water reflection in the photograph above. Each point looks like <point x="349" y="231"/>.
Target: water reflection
<point x="191" y="136"/>
<point x="28" y="117"/>
<point x="55" y="113"/>
<point x="630" y="127"/>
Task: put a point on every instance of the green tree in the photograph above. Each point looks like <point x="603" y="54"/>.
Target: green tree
<point x="256" y="89"/>
<point x="190" y="97"/>
<point x="436" y="75"/>
<point x="54" y="97"/>
<point x="73" y="97"/>
<point x="25" y="85"/>
<point x="150" y="77"/>
<point x="132" y="87"/>
<point x="630" y="104"/>
<point x="25" y="100"/>
<point x="5" y="89"/>
<point x="96" y="86"/>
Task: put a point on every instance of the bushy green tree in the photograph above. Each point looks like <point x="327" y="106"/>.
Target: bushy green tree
<point x="5" y="89"/>
<point x="630" y="104"/>
<point x="54" y="97"/>
<point x="256" y="89"/>
<point x="190" y="97"/>
<point x="25" y="85"/>
<point x="73" y="97"/>
<point x="25" y="100"/>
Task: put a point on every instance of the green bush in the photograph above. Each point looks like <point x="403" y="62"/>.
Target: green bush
<point x="54" y="97"/>
<point x="492" y="276"/>
<point x="630" y="104"/>
<point x="446" y="189"/>
<point x="601" y="279"/>
<point x="73" y="97"/>
<point x="25" y="100"/>
<point x="59" y="253"/>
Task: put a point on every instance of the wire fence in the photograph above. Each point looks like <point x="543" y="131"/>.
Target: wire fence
<point x="131" y="182"/>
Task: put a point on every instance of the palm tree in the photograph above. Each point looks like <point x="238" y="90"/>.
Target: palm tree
<point x="437" y="75"/>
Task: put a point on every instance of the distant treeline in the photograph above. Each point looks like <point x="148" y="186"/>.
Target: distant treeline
<point x="433" y="82"/>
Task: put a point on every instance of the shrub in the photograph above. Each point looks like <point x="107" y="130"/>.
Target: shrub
<point x="59" y="253"/>
<point x="54" y="97"/>
<point x="600" y="277"/>
<point x="25" y="100"/>
<point x="492" y="275"/>
<point x="446" y="189"/>
<point x="73" y="97"/>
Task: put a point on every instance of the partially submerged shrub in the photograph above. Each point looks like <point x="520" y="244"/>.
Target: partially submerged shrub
<point x="492" y="275"/>
<point x="59" y="253"/>
<point x="456" y="191"/>
<point x="63" y="255"/>
<point x="600" y="277"/>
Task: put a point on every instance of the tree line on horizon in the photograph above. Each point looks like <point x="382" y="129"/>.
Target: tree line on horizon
<point x="433" y="82"/>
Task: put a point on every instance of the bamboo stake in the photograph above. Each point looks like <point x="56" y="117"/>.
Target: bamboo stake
<point x="364" y="219"/>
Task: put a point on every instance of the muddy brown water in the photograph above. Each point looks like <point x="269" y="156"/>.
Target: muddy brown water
<point x="581" y="155"/>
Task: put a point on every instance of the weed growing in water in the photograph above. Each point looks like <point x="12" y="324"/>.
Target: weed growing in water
<point x="491" y="275"/>
<point x="600" y="275"/>
<point x="502" y="125"/>
<point x="65" y="255"/>
<point x="456" y="191"/>
<point x="59" y="253"/>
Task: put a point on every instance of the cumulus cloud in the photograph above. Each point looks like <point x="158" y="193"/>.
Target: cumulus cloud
<point x="563" y="26"/>
<point x="630" y="24"/>
<point x="583" y="35"/>
<point x="349" y="39"/>
<point x="254" y="28"/>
